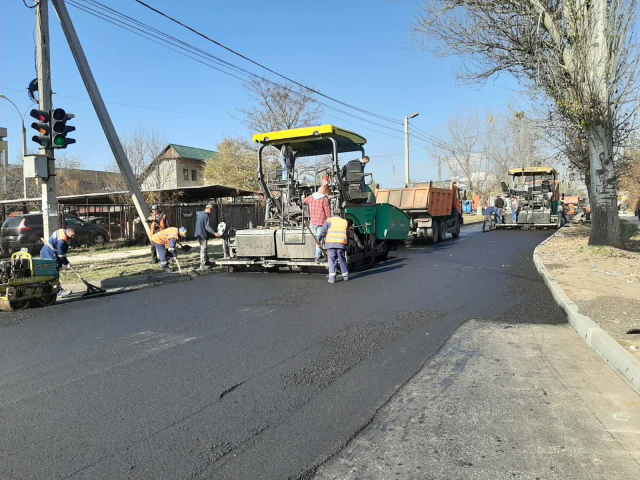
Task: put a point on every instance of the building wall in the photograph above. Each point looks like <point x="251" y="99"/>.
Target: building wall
<point x="190" y="166"/>
<point x="163" y="176"/>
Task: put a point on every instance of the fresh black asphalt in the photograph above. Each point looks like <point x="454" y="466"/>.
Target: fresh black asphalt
<point x="243" y="375"/>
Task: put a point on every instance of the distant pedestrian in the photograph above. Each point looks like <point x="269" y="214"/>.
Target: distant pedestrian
<point x="202" y="233"/>
<point x="499" y="204"/>
<point x="165" y="242"/>
<point x="319" y="211"/>
<point x="157" y="221"/>
<point x="514" y="209"/>
<point x="625" y="207"/>
<point x="334" y="235"/>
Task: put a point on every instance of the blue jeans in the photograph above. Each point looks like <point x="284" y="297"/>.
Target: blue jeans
<point x="316" y="231"/>
<point x="163" y="255"/>
<point x="337" y="255"/>
<point x="499" y="213"/>
<point x="514" y="216"/>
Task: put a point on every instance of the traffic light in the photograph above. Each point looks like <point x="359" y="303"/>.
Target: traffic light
<point x="43" y="126"/>
<point x="59" y="128"/>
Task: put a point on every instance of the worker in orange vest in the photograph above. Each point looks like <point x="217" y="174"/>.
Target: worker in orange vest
<point x="157" y="221"/>
<point x="334" y="235"/>
<point x="165" y="241"/>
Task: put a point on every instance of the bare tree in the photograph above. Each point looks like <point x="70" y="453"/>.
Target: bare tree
<point x="279" y="107"/>
<point x="480" y="153"/>
<point x="142" y="147"/>
<point x="576" y="53"/>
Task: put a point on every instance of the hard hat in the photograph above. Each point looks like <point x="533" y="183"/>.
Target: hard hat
<point x="183" y="231"/>
<point x="155" y="207"/>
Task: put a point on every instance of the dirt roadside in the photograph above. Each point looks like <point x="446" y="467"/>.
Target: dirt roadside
<point x="604" y="282"/>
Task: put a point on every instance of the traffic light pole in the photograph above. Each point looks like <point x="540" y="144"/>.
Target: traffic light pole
<point x="101" y="111"/>
<point x="49" y="197"/>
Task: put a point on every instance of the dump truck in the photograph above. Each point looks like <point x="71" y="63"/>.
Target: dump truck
<point x="435" y="208"/>
<point x="286" y="242"/>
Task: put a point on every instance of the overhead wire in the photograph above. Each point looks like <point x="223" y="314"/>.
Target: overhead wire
<point x="317" y="92"/>
<point x="209" y="57"/>
<point x="146" y="31"/>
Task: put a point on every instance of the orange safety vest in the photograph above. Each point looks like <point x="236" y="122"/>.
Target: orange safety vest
<point x="337" y="232"/>
<point x="163" y="237"/>
<point x="158" y="221"/>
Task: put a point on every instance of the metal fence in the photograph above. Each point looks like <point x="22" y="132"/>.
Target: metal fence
<point x="121" y="220"/>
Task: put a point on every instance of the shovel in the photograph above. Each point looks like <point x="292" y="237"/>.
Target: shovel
<point x="91" y="289"/>
<point x="185" y="248"/>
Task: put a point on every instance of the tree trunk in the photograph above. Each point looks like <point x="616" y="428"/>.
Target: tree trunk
<point x="605" y="226"/>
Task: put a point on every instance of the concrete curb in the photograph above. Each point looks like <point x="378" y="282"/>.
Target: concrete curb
<point x="136" y="280"/>
<point x="618" y="358"/>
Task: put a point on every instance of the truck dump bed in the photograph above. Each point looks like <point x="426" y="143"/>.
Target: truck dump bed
<point x="435" y="200"/>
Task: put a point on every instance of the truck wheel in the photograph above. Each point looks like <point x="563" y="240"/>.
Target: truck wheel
<point x="432" y="234"/>
<point x="442" y="230"/>
<point x="456" y="232"/>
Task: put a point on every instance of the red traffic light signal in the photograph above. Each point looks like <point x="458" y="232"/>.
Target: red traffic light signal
<point x="43" y="126"/>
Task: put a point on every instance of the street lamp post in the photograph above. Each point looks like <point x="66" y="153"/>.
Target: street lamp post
<point x="407" y="178"/>
<point x="24" y="141"/>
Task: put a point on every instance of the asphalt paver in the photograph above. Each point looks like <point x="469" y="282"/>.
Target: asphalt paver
<point x="244" y="375"/>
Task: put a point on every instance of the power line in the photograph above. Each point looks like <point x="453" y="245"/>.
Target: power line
<point x="172" y="41"/>
<point x="317" y="92"/>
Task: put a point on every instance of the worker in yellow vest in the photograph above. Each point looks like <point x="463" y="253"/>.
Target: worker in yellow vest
<point x="334" y="235"/>
<point x="166" y="241"/>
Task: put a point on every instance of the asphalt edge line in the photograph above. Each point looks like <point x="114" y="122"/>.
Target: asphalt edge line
<point x="616" y="356"/>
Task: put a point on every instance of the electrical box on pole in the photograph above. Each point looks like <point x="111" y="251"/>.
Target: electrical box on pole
<point x="36" y="166"/>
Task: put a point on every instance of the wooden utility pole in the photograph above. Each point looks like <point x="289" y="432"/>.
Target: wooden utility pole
<point x="102" y="112"/>
<point x="49" y="197"/>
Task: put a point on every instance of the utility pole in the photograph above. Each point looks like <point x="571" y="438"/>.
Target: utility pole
<point x="407" y="177"/>
<point x="394" y="175"/>
<point x="4" y="152"/>
<point x="49" y="197"/>
<point x="439" y="168"/>
<point x="101" y="111"/>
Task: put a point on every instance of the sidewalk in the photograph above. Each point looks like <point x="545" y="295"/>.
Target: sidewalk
<point x="78" y="259"/>
<point x="604" y="282"/>
<point x="502" y="402"/>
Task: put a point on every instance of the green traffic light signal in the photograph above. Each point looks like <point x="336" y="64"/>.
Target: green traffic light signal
<point x="60" y="128"/>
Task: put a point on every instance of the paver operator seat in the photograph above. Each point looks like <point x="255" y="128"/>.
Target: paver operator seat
<point x="353" y="174"/>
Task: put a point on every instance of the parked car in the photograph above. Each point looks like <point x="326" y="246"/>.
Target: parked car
<point x="114" y="227"/>
<point x="25" y="231"/>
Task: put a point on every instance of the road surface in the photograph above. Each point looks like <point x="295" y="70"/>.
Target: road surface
<point x="244" y="375"/>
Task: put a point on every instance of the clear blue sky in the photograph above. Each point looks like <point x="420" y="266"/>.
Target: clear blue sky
<point x="357" y="51"/>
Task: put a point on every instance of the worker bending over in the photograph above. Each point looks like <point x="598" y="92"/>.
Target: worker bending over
<point x="165" y="241"/>
<point x="157" y="221"/>
<point x="334" y="235"/>
<point x="56" y="248"/>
